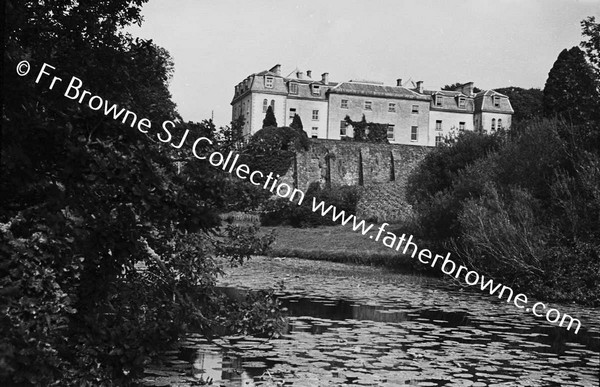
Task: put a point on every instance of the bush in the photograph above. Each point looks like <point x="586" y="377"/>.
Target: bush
<point x="281" y="211"/>
<point x="273" y="149"/>
<point x="529" y="196"/>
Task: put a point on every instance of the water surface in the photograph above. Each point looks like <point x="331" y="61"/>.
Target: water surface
<point x="356" y="325"/>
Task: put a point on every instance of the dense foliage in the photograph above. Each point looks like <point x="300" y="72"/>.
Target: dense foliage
<point x="274" y="149"/>
<point x="108" y="238"/>
<point x="368" y="131"/>
<point x="525" y="210"/>
<point x="281" y="211"/>
<point x="571" y="91"/>
<point x="591" y="43"/>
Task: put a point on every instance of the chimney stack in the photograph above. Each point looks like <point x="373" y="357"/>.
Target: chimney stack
<point x="420" y="87"/>
<point x="308" y="73"/>
<point x="399" y="82"/>
<point x="276" y="69"/>
<point x="325" y="78"/>
<point x="299" y="75"/>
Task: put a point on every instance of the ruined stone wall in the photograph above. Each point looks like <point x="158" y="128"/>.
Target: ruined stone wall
<point x="334" y="162"/>
<point x="382" y="169"/>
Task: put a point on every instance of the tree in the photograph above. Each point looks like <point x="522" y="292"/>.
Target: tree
<point x="270" y="121"/>
<point x="570" y="91"/>
<point x="456" y="85"/>
<point x="87" y="199"/>
<point x="591" y="30"/>
<point x="273" y="149"/>
<point x="296" y="122"/>
<point x="527" y="103"/>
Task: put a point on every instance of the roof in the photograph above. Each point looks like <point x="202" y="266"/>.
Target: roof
<point x="484" y="103"/>
<point x="445" y="93"/>
<point x="376" y="90"/>
<point x="489" y="93"/>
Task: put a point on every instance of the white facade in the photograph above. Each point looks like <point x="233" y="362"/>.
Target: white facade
<point x="414" y="116"/>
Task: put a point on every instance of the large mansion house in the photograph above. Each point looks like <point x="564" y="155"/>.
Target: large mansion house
<point x="413" y="115"/>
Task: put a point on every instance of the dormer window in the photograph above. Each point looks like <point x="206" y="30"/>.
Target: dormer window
<point x="461" y="102"/>
<point x="438" y="100"/>
<point x="316" y="90"/>
<point x="293" y="88"/>
<point x="269" y="82"/>
<point x="496" y="101"/>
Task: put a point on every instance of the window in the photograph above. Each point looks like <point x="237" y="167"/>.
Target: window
<point x="438" y="125"/>
<point x="414" y="133"/>
<point x="439" y="140"/>
<point x="293" y="88"/>
<point x="273" y="105"/>
<point x="392" y="107"/>
<point x="316" y="90"/>
<point x="292" y="113"/>
<point x="265" y="104"/>
<point x="499" y="123"/>
<point x="415" y="109"/>
<point x="315" y="132"/>
<point x="315" y="115"/>
<point x="461" y="126"/>
<point x="390" y="132"/>
<point x="368" y="105"/>
<point x="461" y="102"/>
<point x="344" y="104"/>
<point x="438" y="100"/>
<point x="269" y="82"/>
<point x="343" y="126"/>
<point x="496" y="101"/>
<point x="493" y="124"/>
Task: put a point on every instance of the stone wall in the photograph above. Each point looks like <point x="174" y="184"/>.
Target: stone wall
<point x="333" y="162"/>
<point x="382" y="169"/>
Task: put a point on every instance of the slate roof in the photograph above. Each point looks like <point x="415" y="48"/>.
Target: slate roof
<point x="376" y="90"/>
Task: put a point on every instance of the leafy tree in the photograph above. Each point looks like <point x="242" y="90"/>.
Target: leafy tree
<point x="273" y="149"/>
<point x="456" y="85"/>
<point x="87" y="201"/>
<point x="270" y="121"/>
<point x="591" y="31"/>
<point x="570" y="91"/>
<point x="296" y="122"/>
<point x="527" y="103"/>
<point x="368" y="131"/>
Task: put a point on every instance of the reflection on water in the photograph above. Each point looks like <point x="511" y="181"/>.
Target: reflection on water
<point x="388" y="334"/>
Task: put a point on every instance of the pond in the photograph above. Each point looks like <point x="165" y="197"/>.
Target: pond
<point x="358" y="325"/>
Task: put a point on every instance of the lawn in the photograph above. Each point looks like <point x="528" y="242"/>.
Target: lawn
<point x="335" y="243"/>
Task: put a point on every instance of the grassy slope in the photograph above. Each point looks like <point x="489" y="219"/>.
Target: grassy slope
<point x="337" y="244"/>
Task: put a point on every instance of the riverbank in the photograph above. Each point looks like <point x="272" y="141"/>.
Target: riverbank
<point x="337" y="244"/>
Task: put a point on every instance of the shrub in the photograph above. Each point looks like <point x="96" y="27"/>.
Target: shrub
<point x="281" y="211"/>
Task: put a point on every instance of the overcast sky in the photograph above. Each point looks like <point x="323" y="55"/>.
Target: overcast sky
<point x="217" y="43"/>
